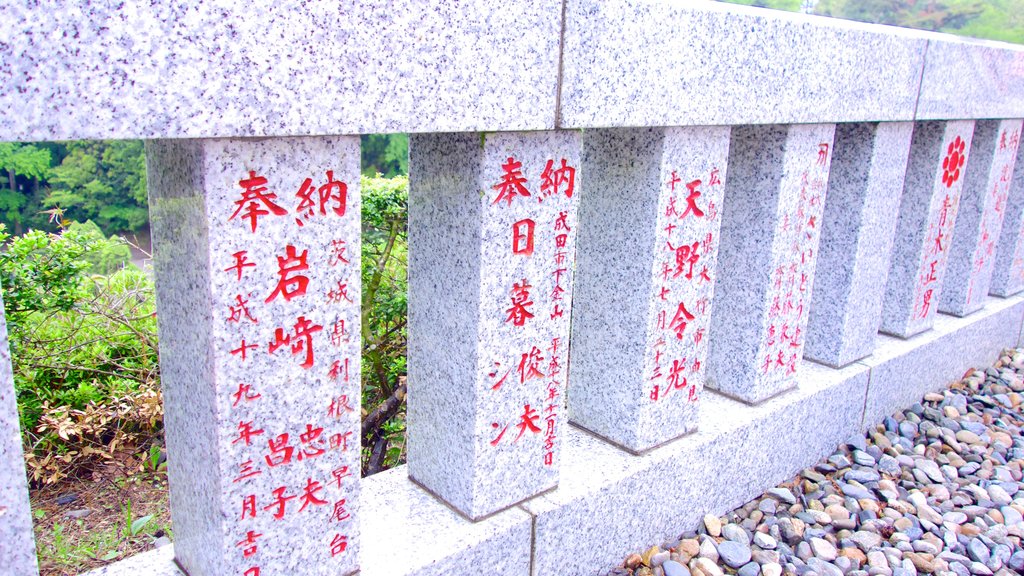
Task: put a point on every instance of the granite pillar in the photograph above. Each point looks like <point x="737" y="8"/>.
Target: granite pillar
<point x="864" y="188"/>
<point x="771" y="223"/>
<point x="257" y="263"/>
<point x="931" y="194"/>
<point x="17" y="541"/>
<point x="979" y="220"/>
<point x="648" y="240"/>
<point x="1008" y="266"/>
<point x="492" y="229"/>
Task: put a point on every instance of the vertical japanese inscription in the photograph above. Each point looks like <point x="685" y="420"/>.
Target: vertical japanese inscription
<point x="284" y="218"/>
<point x="685" y="253"/>
<point x="996" y="195"/>
<point x="530" y="185"/>
<point x="793" y="259"/>
<point x="941" y="219"/>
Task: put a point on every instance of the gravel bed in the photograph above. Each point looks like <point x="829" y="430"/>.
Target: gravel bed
<point x="934" y="489"/>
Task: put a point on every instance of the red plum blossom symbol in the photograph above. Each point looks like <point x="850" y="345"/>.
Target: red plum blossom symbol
<point x="953" y="162"/>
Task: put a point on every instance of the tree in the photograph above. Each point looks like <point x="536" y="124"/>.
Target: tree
<point x="936" y="15"/>
<point x="385" y="154"/>
<point x="104" y="182"/>
<point x="26" y="161"/>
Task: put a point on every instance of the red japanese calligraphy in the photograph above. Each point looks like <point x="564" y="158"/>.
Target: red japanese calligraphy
<point x="522" y="237"/>
<point x="253" y="195"/>
<point x="240" y="309"/>
<point x="301" y="340"/>
<point x="244" y="393"/>
<point x="528" y="421"/>
<point x="247" y="470"/>
<point x="242" y="348"/>
<point x="246" y="432"/>
<point x="248" y="545"/>
<point x="511" y="184"/>
<point x="519" y="313"/>
<point x="280" y="452"/>
<point x="338" y="248"/>
<point x="249" y="506"/>
<point x="280" y="502"/>
<point x="291" y="284"/>
<point x="340" y="513"/>
<point x="679" y="321"/>
<point x="528" y="369"/>
<point x="338" y="544"/>
<point x="691" y="200"/>
<point x="552" y="179"/>
<point x="309" y="495"/>
<point x="241" y="262"/>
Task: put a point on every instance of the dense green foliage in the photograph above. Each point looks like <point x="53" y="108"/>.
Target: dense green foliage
<point x="104" y="182"/>
<point x="385" y="154"/>
<point x="83" y="346"/>
<point x="991" y="19"/>
<point x="385" y="255"/>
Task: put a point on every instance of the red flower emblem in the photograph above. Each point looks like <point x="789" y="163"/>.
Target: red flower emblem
<point x="953" y="162"/>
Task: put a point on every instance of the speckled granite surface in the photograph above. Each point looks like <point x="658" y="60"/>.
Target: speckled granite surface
<point x="979" y="219"/>
<point x="771" y="222"/>
<point x="861" y="209"/>
<point x="1008" y="268"/>
<point x="646" y="268"/>
<point x="17" y="542"/>
<point x="971" y="78"/>
<point x="492" y="238"/>
<point x="257" y="272"/>
<point x="939" y="153"/>
<point x="81" y="69"/>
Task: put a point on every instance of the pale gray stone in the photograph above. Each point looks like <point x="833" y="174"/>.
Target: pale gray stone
<point x="223" y="481"/>
<point x="490" y="284"/>
<point x="17" y="541"/>
<point x="979" y="219"/>
<point x="1008" y="268"/>
<point x="864" y="188"/>
<point x="427" y="67"/>
<point x="608" y="42"/>
<point x="636" y="375"/>
<point x="931" y="194"/>
<point x="778" y="176"/>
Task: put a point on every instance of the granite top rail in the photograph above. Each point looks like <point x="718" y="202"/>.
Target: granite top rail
<point x="93" y="70"/>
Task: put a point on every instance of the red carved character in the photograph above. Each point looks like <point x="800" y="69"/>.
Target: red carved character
<point x="240" y="309"/>
<point x="522" y="237"/>
<point x="338" y="248"/>
<point x="280" y="451"/>
<point x="241" y="262"/>
<point x="338" y="544"/>
<point x="679" y="321"/>
<point x="528" y="365"/>
<point x="300" y="340"/>
<point x="246" y="432"/>
<point x="242" y="348"/>
<point x="528" y="421"/>
<point x="552" y="179"/>
<point x="691" y="200"/>
<point x="248" y="470"/>
<point x="291" y="283"/>
<point x="244" y="393"/>
<point x="518" y="314"/>
<point x="280" y="502"/>
<point x="309" y="495"/>
<point x="512" y="181"/>
<point x="248" y="545"/>
<point x="254" y="194"/>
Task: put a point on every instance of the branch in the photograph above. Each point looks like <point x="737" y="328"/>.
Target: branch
<point x="384" y="411"/>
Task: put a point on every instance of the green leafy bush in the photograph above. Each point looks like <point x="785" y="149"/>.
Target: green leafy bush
<point x="385" y="286"/>
<point x="83" y="348"/>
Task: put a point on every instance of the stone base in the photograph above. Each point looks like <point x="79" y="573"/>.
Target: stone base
<point x="610" y="503"/>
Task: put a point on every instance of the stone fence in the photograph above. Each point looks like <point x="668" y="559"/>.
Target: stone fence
<point x="652" y="245"/>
